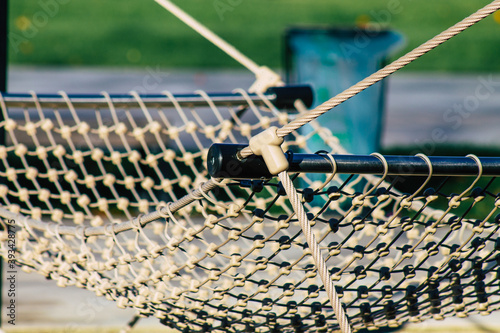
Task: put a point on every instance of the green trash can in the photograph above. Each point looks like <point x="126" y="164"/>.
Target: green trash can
<point x="333" y="59"/>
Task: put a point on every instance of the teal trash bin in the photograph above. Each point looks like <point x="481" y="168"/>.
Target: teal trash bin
<point x="333" y="59"/>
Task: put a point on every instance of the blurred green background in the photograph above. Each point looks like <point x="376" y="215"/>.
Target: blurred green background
<point x="139" y="32"/>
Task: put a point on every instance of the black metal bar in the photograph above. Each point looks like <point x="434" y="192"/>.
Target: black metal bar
<point x="282" y="97"/>
<point x="223" y="162"/>
<point x="287" y="95"/>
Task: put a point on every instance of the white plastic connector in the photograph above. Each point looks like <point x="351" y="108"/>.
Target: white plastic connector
<point x="266" y="78"/>
<point x="268" y="145"/>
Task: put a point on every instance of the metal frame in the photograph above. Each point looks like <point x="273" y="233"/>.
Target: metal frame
<point x="281" y="97"/>
<point x="96" y="101"/>
<point x="223" y="162"/>
<point x="396" y="165"/>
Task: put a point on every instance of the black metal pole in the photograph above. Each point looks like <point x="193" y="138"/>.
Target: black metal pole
<point x="281" y="97"/>
<point x="4" y="14"/>
<point x="223" y="162"/>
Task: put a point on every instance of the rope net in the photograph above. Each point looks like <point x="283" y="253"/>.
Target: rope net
<point x="92" y="185"/>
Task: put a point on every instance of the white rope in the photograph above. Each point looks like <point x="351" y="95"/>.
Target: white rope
<point x="209" y="35"/>
<point x="315" y="252"/>
<point x="266" y="78"/>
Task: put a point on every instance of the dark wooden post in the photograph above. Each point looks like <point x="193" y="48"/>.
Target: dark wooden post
<point x="3" y="46"/>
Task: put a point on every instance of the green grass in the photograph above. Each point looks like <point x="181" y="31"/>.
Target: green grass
<point x="141" y="33"/>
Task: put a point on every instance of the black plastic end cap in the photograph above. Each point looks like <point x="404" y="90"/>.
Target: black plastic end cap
<point x="223" y="162"/>
<point x="287" y="95"/>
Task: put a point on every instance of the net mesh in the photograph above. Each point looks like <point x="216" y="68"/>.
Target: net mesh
<point x="399" y="249"/>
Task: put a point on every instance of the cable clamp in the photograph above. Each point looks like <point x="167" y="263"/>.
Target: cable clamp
<point x="268" y="145"/>
<point x="266" y="78"/>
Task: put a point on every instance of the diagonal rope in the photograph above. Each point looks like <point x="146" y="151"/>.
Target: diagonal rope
<point x="266" y="77"/>
<point x="209" y="35"/>
<point x="315" y="252"/>
<point x="385" y="72"/>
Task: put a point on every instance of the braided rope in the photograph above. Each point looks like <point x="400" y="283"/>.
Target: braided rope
<point x="385" y="72"/>
<point x="315" y="252"/>
<point x="209" y="35"/>
<point x="265" y="77"/>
